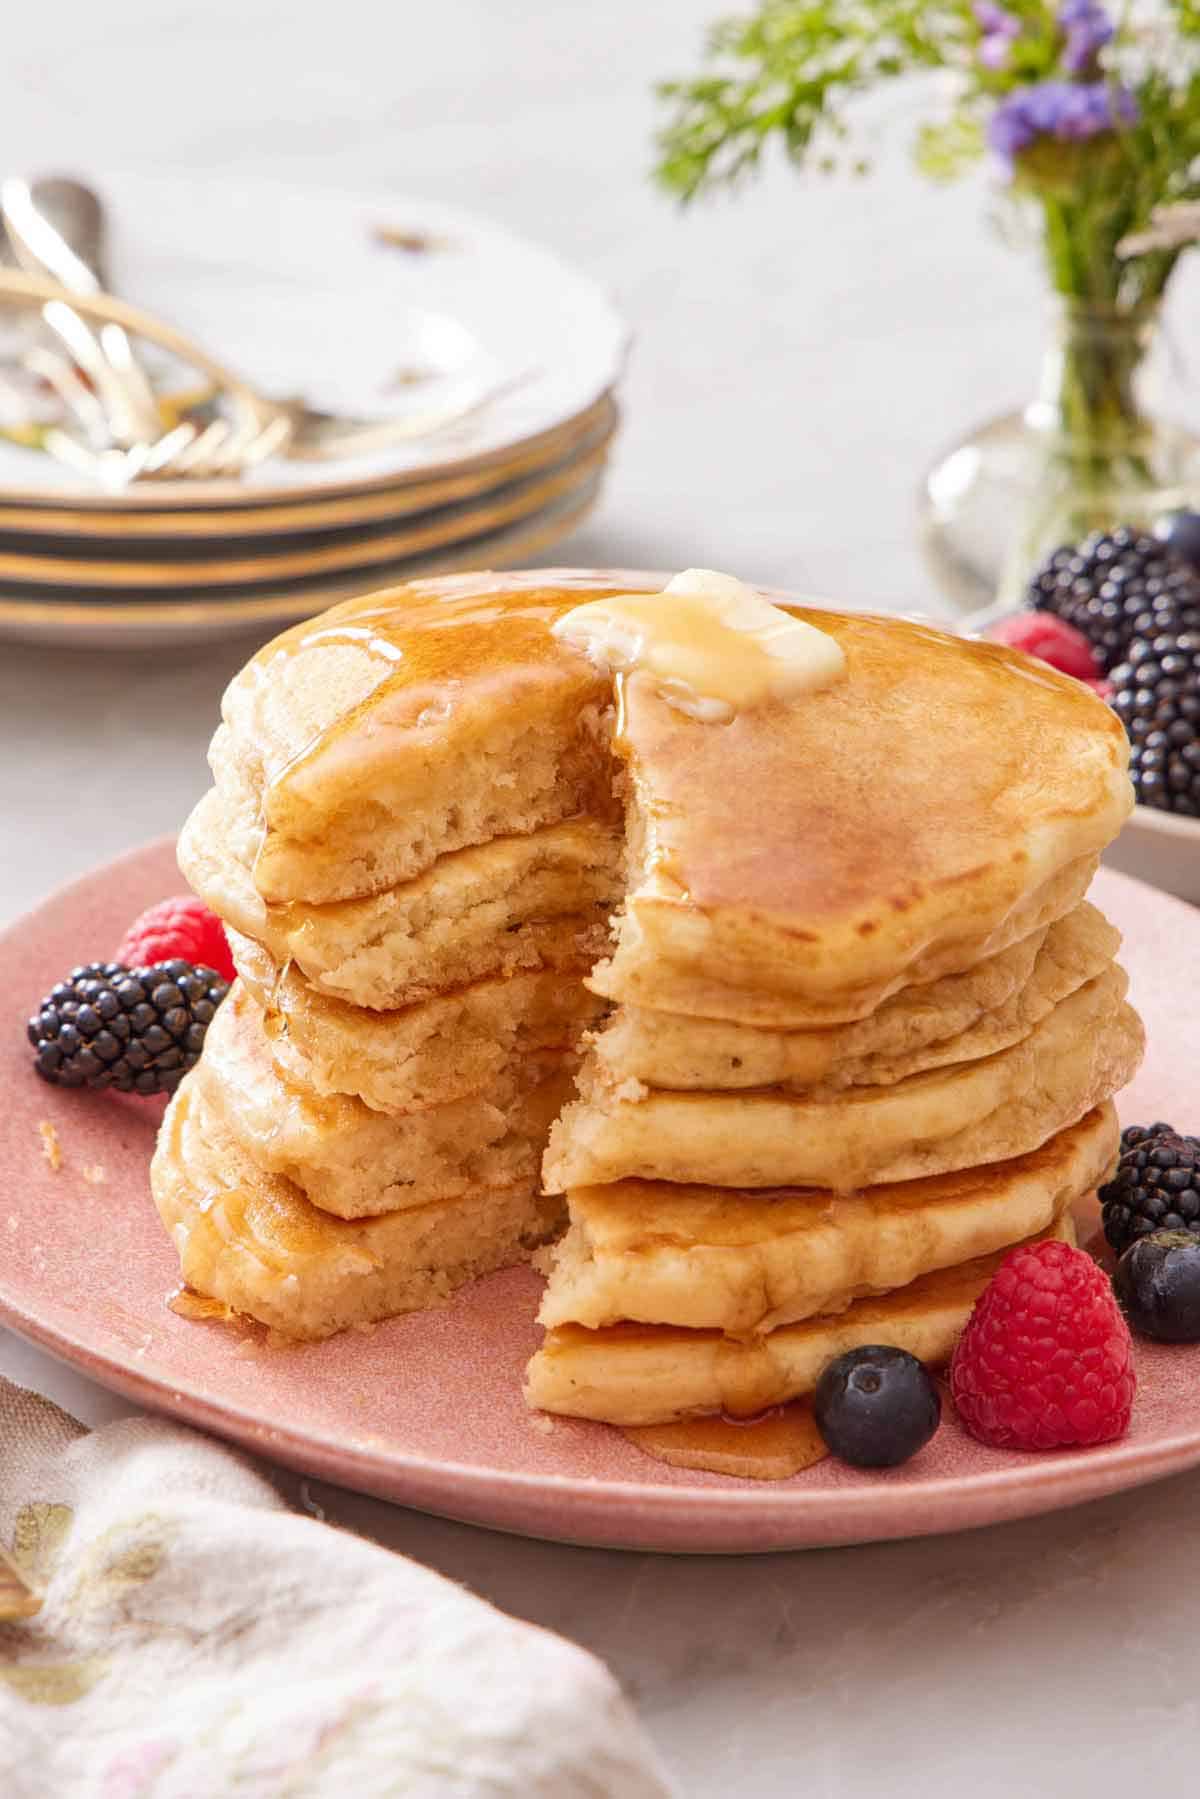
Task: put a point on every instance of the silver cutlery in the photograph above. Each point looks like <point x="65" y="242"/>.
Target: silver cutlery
<point x="56" y="230"/>
<point x="43" y="225"/>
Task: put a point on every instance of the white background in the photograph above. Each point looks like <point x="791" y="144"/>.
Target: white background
<point x="800" y="355"/>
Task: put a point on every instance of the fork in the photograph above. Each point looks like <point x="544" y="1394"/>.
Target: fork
<point x="300" y="430"/>
<point x="218" y="450"/>
<point x="222" y="447"/>
<point x="69" y="246"/>
<point x="73" y="255"/>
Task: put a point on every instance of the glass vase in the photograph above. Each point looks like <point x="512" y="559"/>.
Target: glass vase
<point x="1090" y="452"/>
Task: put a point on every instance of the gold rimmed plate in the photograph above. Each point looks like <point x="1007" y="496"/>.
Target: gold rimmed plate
<point x="268" y="562"/>
<point x="370" y="307"/>
<point x="163" y="530"/>
<point x="107" y="622"/>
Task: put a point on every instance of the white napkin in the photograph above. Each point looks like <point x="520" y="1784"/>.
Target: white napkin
<point x="195" y="1638"/>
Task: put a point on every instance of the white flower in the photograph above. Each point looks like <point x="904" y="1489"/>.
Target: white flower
<point x="1171" y="228"/>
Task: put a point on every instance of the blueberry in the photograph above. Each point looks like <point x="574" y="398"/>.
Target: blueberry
<point x="1180" y="531"/>
<point x="877" y="1406"/>
<point x="1158" y="1284"/>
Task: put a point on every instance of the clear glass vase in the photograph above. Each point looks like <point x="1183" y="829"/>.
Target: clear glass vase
<point x="1089" y="452"/>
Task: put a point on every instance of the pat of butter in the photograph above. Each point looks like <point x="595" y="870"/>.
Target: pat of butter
<point x="714" y="646"/>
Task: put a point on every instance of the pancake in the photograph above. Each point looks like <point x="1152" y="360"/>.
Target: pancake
<point x="746" y="1262"/>
<point x="648" y="1374"/>
<point x="814" y="850"/>
<point x="957" y="1019"/>
<point x="359" y="747"/>
<point x="254" y="1243"/>
<point x="949" y="1118"/>
<point x="423" y="1055"/>
<point x="355" y="1162"/>
<point x="663" y="962"/>
<point x="517" y="902"/>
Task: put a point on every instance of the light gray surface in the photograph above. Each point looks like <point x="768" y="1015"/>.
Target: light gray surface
<point x="800" y="356"/>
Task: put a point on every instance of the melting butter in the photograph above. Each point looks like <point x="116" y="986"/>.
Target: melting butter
<point x="714" y="646"/>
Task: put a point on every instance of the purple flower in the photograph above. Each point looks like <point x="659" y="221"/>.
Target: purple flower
<point x="994" y="21"/>
<point x="999" y="28"/>
<point x="1070" y="111"/>
<point x="1088" y="28"/>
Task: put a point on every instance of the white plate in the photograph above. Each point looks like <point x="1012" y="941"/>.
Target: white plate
<point x="1161" y="848"/>
<point x="310" y="291"/>
<point x="147" y="624"/>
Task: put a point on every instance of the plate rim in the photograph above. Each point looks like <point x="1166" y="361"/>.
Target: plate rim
<point x="781" y="1516"/>
<point x="528" y="537"/>
<point x="507" y="503"/>
<point x="151" y="524"/>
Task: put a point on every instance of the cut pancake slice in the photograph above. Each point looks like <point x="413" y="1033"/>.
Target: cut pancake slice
<point x="649" y="1374"/>
<point x="254" y="1243"/>
<point x="957" y="1117"/>
<point x="746" y="1262"/>
<point x="355" y="1162"/>
<point x="424" y="1055"/>
<point x="960" y="1018"/>
<point x="515" y="902"/>
<point x="397" y="728"/>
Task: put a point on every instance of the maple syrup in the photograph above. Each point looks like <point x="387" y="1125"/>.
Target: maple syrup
<point x="772" y="1446"/>
<point x="197" y="1307"/>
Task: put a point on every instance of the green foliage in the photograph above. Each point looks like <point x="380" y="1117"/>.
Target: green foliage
<point x="787" y="73"/>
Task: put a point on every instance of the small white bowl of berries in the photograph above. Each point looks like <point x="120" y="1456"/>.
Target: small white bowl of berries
<point x="1121" y="611"/>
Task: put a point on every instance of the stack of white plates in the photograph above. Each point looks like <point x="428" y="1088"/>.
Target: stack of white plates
<point x="364" y="307"/>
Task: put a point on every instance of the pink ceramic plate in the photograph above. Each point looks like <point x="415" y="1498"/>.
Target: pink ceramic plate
<point x="428" y="1410"/>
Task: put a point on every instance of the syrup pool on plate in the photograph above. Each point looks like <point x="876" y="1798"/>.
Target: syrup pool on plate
<point x="773" y="1446"/>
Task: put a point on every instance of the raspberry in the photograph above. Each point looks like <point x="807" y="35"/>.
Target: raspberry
<point x="1051" y="640"/>
<point x="1046" y="1359"/>
<point x="179" y="929"/>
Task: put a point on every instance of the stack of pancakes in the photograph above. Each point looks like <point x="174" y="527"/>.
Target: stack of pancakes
<point x="855" y="1034"/>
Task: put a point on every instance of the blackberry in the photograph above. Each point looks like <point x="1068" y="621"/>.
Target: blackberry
<point x="1116" y="586"/>
<point x="1156" y="1186"/>
<point x="138" y="1030"/>
<point x="1156" y="696"/>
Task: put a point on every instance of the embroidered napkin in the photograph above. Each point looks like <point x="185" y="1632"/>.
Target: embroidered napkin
<point x="169" y="1630"/>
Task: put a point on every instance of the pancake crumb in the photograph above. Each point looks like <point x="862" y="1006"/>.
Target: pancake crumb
<point x="95" y="1174"/>
<point x="542" y="1422"/>
<point x="51" y="1147"/>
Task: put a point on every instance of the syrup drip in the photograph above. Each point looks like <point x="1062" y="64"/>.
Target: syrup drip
<point x="198" y="1308"/>
<point x="772" y="1446"/>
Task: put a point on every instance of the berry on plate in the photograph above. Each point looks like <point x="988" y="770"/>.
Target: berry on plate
<point x="1156" y="696"/>
<point x="1116" y="586"/>
<point x="1156" y="1186"/>
<point x="1051" y="639"/>
<point x="136" y="1030"/>
<point x="1046" y="1360"/>
<point x="875" y="1407"/>
<point x="1158" y="1284"/>
<point x="181" y="928"/>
